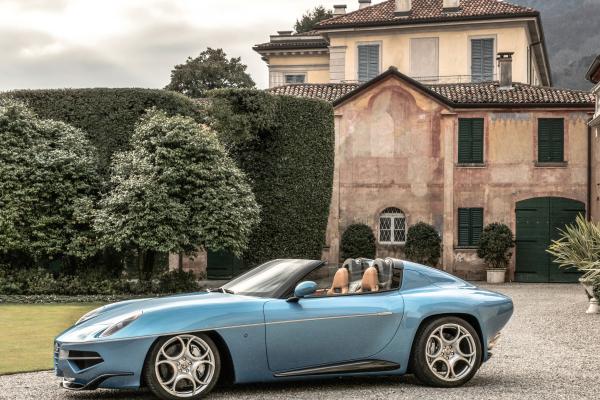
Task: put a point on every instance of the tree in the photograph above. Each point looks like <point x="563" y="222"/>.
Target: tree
<point x="495" y="244"/>
<point x="358" y="241"/>
<point x="175" y="191"/>
<point x="423" y="244"/>
<point x="48" y="184"/>
<point x="210" y="70"/>
<point x="311" y="18"/>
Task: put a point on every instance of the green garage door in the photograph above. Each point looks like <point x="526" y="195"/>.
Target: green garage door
<point x="538" y="223"/>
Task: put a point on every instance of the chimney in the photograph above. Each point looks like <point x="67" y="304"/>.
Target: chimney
<point x="339" y="9"/>
<point x="403" y="7"/>
<point x="505" y="67"/>
<point x="451" y="5"/>
<point x="363" y="4"/>
<point x="285" y="33"/>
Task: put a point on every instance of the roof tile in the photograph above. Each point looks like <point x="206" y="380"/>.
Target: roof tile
<point x="425" y="10"/>
<point x="484" y="93"/>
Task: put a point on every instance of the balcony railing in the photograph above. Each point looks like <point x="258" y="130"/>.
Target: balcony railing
<point x="446" y="79"/>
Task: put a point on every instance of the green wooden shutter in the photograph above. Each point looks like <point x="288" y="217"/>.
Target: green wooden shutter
<point x="550" y="140"/>
<point x="465" y="143"/>
<point x="482" y="60"/>
<point x="368" y="62"/>
<point x="477" y="140"/>
<point x="470" y="140"/>
<point x="488" y="59"/>
<point x="557" y="134"/>
<point x="363" y="63"/>
<point x="476" y="220"/>
<point x="463" y="226"/>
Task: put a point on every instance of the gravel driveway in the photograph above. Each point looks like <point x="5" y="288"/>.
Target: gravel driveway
<point x="550" y="350"/>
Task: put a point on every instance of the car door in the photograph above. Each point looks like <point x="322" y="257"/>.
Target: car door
<point x="328" y="330"/>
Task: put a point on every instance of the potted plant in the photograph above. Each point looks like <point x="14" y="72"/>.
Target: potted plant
<point x="579" y="247"/>
<point x="494" y="248"/>
<point x="423" y="244"/>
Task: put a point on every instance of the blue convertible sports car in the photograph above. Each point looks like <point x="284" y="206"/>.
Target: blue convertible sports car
<point x="285" y="320"/>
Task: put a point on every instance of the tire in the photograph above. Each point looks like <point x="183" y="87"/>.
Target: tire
<point x="182" y="367"/>
<point x="440" y="358"/>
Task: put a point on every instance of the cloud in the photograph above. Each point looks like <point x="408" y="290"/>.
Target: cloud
<point x="125" y="43"/>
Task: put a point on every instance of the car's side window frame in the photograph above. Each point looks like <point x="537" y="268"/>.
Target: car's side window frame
<point x="398" y="271"/>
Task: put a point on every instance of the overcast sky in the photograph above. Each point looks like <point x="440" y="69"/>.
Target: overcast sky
<point x="127" y="43"/>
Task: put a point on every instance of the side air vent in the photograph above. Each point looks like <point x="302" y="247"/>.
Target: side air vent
<point x="84" y="359"/>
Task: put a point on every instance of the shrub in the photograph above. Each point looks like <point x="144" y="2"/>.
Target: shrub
<point x="39" y="282"/>
<point x="107" y="116"/>
<point x="176" y="190"/>
<point x="579" y="247"/>
<point x="423" y="244"/>
<point x="357" y="241"/>
<point x="285" y="145"/>
<point x="495" y="244"/>
<point x="48" y="184"/>
<point x="178" y="281"/>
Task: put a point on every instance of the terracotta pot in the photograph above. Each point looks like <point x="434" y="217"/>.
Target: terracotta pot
<point x="594" y="307"/>
<point x="496" y="275"/>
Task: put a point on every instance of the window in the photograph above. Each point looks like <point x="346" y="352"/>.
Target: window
<point x="424" y="59"/>
<point x="551" y="140"/>
<point x="298" y="78"/>
<point x="392" y="226"/>
<point x="368" y="61"/>
<point x="470" y="225"/>
<point x="470" y="141"/>
<point x="482" y="60"/>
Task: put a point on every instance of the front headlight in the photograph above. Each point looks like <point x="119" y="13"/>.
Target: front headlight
<point x="121" y="323"/>
<point x="90" y="315"/>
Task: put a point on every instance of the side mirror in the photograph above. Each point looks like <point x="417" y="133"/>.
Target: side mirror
<point x="303" y="289"/>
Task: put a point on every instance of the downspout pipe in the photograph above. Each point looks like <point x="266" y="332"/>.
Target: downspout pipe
<point x="589" y="172"/>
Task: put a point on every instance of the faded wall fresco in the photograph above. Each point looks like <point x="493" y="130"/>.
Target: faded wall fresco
<point x="392" y="151"/>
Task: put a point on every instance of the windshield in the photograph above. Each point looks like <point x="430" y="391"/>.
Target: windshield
<point x="270" y="279"/>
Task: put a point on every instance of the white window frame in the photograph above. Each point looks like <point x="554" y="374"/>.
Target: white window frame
<point x="393" y="214"/>
<point x="285" y="75"/>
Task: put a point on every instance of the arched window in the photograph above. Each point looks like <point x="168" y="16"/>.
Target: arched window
<point x="392" y="226"/>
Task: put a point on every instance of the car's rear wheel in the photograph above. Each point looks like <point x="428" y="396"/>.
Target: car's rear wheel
<point x="182" y="367"/>
<point x="446" y="353"/>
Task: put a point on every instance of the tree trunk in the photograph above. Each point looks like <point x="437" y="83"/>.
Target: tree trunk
<point x="148" y="264"/>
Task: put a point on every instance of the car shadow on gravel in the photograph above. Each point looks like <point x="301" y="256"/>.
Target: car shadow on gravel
<point x="334" y="385"/>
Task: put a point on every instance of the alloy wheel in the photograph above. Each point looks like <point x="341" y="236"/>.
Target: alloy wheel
<point x="185" y="366"/>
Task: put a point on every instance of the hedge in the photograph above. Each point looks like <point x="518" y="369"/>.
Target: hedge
<point x="358" y="241"/>
<point x="107" y="116"/>
<point x="286" y="147"/>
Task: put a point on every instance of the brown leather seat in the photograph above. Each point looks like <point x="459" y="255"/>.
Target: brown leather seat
<point x="370" y="280"/>
<point x="341" y="280"/>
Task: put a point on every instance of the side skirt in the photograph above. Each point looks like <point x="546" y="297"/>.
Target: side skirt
<point x="342" y="368"/>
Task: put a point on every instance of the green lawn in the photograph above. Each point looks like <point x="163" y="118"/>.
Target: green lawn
<point x="27" y="332"/>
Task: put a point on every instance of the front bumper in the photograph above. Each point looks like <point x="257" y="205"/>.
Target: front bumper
<point x="118" y="366"/>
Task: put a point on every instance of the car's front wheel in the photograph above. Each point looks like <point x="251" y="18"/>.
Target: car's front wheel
<point x="446" y="353"/>
<point x="182" y="367"/>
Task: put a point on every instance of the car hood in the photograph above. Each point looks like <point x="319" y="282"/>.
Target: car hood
<point x="187" y="312"/>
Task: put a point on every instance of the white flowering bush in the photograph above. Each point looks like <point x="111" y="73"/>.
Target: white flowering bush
<point x="176" y="190"/>
<point x="48" y="183"/>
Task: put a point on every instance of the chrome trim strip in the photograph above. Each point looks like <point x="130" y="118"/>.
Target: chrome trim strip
<point x="350" y="367"/>
<point x="379" y="314"/>
<point x="93" y="384"/>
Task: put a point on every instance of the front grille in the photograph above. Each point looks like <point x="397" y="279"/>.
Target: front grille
<point x="84" y="359"/>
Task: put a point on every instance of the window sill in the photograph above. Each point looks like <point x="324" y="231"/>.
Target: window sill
<point x="391" y="244"/>
<point x="471" y="165"/>
<point x="562" y="164"/>
<point x="466" y="248"/>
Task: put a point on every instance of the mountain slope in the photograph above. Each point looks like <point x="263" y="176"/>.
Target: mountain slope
<point x="572" y="36"/>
